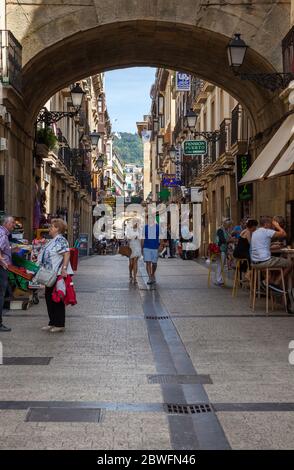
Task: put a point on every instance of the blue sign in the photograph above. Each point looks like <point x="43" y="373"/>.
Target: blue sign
<point x="183" y="81"/>
<point x="170" y="181"/>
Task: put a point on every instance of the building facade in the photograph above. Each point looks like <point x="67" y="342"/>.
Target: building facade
<point x="231" y="148"/>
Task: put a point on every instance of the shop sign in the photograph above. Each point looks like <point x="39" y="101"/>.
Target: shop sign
<point x="183" y="81"/>
<point x="170" y="181"/>
<point x="245" y="191"/>
<point x="195" y="147"/>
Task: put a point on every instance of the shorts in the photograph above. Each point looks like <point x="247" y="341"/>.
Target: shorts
<point x="150" y="255"/>
<point x="273" y="262"/>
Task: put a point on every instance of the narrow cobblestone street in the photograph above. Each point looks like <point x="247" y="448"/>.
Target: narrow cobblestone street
<point x="209" y="347"/>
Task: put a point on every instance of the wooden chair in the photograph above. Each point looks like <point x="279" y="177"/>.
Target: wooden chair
<point x="255" y="286"/>
<point x="237" y="278"/>
<point x="213" y="257"/>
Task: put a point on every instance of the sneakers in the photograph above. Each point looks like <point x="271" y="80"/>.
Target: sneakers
<point x="276" y="288"/>
<point x="4" y="328"/>
<point x="53" y="329"/>
<point x="219" y="284"/>
<point x="57" y="329"/>
<point x="46" y="328"/>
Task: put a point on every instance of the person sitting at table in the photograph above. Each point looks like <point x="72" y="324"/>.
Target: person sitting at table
<point x="261" y="256"/>
<point x="242" y="249"/>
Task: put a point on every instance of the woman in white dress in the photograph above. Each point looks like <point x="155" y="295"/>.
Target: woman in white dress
<point x="133" y="236"/>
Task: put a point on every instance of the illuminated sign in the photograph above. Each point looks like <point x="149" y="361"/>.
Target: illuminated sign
<point x="169" y="181"/>
<point x="245" y="191"/>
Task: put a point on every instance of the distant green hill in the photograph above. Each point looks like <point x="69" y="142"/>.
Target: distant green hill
<point x="129" y="148"/>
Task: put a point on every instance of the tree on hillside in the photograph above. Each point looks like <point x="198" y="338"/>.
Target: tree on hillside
<point x="129" y="148"/>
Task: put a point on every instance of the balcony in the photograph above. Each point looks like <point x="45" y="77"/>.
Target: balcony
<point x="224" y="136"/>
<point x="84" y="178"/>
<point x="10" y="60"/>
<point x="208" y="87"/>
<point x="202" y="97"/>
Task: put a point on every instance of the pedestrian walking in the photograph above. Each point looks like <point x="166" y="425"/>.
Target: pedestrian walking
<point x="5" y="260"/>
<point x="134" y="241"/>
<point x="55" y="257"/>
<point x="150" y="245"/>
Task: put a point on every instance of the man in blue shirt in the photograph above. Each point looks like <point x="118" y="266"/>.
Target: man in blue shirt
<point x="150" y="246"/>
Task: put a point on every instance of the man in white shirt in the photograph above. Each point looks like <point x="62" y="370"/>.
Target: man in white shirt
<point x="261" y="248"/>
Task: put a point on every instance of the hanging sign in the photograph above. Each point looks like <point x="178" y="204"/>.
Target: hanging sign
<point x="243" y="163"/>
<point x="178" y="164"/>
<point x="170" y="181"/>
<point x="195" y="147"/>
<point x="183" y="81"/>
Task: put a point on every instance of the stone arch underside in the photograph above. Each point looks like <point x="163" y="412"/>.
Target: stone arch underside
<point x="66" y="40"/>
<point x="147" y="43"/>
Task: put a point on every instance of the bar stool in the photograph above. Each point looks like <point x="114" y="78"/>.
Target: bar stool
<point x="213" y="257"/>
<point x="237" y="279"/>
<point x="255" y="283"/>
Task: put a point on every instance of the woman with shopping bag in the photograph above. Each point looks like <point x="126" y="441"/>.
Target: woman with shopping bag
<point x="54" y="261"/>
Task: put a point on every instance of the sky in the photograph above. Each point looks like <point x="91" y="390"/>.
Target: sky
<point x="128" y="96"/>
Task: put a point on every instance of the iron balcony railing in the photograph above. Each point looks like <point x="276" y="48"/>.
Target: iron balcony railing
<point x="10" y="60"/>
<point x="197" y="86"/>
<point x="84" y="178"/>
<point x="224" y="140"/>
<point x="235" y="124"/>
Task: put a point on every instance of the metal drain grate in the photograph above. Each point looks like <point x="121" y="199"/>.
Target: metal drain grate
<point x="63" y="415"/>
<point x="156" y="318"/>
<point x="173" y="408"/>
<point x="26" y="361"/>
<point x="179" y="379"/>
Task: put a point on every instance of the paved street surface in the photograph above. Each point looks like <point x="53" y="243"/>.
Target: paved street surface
<point x="94" y="392"/>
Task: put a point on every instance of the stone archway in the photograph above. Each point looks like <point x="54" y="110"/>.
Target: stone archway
<point x="76" y="38"/>
<point x="66" y="40"/>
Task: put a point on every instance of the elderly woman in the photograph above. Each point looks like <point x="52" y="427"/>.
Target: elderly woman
<point x="55" y="256"/>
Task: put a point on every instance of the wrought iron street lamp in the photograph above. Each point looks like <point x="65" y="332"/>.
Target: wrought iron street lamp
<point x="51" y="117"/>
<point x="191" y="119"/>
<point x="94" y="136"/>
<point x="100" y="162"/>
<point x="236" y="50"/>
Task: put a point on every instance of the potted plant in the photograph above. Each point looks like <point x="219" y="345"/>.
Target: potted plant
<point x="46" y="136"/>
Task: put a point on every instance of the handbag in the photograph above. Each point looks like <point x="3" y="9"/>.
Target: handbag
<point x="46" y="277"/>
<point x="125" y="251"/>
